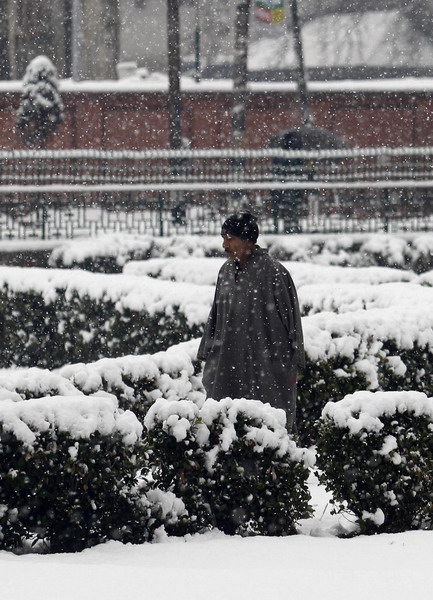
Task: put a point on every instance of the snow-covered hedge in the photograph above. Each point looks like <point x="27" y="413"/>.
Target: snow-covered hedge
<point x="53" y="317"/>
<point x="67" y="470"/>
<point x="384" y="348"/>
<point x="108" y="253"/>
<point x="388" y="348"/>
<point x="406" y="250"/>
<point x="376" y="457"/>
<point x="412" y="251"/>
<point x="229" y="464"/>
<point x="356" y="336"/>
<point x="233" y="464"/>
<point x="204" y="271"/>
<point x="24" y="384"/>
<point x="137" y="381"/>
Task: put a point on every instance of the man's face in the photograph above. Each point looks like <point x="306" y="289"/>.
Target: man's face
<point x="236" y="248"/>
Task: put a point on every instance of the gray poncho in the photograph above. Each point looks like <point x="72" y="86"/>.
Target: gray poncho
<point x="252" y="343"/>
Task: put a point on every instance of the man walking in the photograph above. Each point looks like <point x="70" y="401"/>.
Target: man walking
<point x="252" y="344"/>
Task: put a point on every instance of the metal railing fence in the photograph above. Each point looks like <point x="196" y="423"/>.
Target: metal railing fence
<point x="68" y="193"/>
<point x="160" y="169"/>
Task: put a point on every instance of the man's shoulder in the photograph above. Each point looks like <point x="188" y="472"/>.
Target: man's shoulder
<point x="274" y="271"/>
<point x="271" y="262"/>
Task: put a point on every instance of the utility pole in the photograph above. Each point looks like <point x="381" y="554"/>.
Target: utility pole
<point x="240" y="73"/>
<point x="173" y="99"/>
<point x="300" y="67"/>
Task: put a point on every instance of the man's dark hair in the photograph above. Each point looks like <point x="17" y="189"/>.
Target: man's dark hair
<point x="242" y="225"/>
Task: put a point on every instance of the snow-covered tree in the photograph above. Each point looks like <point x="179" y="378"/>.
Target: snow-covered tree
<point x="41" y="108"/>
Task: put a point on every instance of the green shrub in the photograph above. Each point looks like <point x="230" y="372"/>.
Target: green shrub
<point x="375" y="454"/>
<point x="233" y="464"/>
<point x="375" y="365"/>
<point x="67" y="473"/>
<point x="105" y="254"/>
<point x="52" y="318"/>
<point x="321" y="381"/>
<point x="109" y="252"/>
<point x="382" y="349"/>
<point x="137" y="381"/>
<point x="71" y="327"/>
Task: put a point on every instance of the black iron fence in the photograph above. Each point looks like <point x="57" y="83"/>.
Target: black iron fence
<point x="73" y="193"/>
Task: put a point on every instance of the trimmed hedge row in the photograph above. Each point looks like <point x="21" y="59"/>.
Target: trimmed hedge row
<point x="228" y="464"/>
<point x="340" y="368"/>
<point x="232" y="463"/>
<point x="204" y="271"/>
<point x="137" y="381"/>
<point x="383" y="350"/>
<point x="67" y="330"/>
<point x="375" y="453"/>
<point x="76" y="470"/>
<point x="67" y="469"/>
<point x="388" y="347"/>
<point x="50" y="318"/>
<point x="109" y="253"/>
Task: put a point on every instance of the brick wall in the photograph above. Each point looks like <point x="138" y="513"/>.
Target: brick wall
<point x="137" y="120"/>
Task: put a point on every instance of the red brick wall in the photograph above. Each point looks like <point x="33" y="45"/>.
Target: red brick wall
<point x="138" y="121"/>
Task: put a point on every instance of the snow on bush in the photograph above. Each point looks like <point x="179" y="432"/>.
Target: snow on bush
<point x="23" y="384"/>
<point x="405" y="251"/>
<point x="78" y="416"/>
<point x="54" y="317"/>
<point x="343" y="298"/>
<point x="200" y="271"/>
<point x="233" y="464"/>
<point x="67" y="468"/>
<point x="137" y="381"/>
<point x="376" y="457"/>
<point x="356" y="336"/>
<point x="204" y="271"/>
<point x="108" y="253"/>
<point x="387" y="348"/>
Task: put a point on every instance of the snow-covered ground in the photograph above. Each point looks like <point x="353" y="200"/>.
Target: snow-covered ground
<point x="314" y="565"/>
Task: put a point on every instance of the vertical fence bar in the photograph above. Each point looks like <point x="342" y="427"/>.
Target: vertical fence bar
<point x="161" y="213"/>
<point x="386" y="207"/>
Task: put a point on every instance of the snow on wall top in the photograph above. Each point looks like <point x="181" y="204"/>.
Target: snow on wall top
<point x="158" y="82"/>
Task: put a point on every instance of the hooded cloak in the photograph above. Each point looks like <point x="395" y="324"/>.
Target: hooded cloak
<point x="253" y="344"/>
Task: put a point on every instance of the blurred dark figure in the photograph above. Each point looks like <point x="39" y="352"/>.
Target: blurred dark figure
<point x="289" y="204"/>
